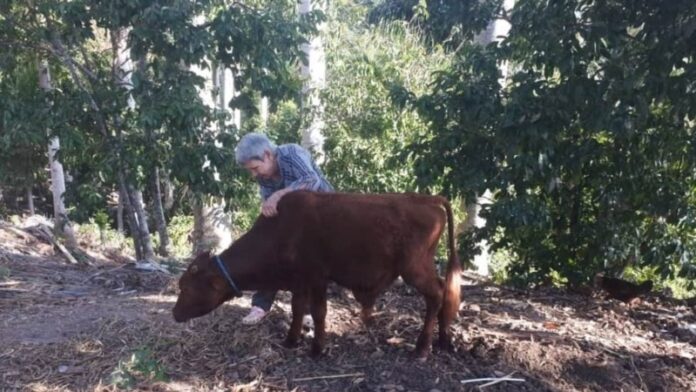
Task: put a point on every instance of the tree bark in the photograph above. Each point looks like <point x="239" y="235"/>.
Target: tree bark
<point x="496" y="30"/>
<point x="167" y="192"/>
<point x="133" y="200"/>
<point x="132" y="218"/>
<point x="158" y="213"/>
<point x="30" y="200"/>
<point x="212" y="228"/>
<point x="144" y="232"/>
<point x="119" y="214"/>
<point x="314" y="75"/>
<point x="62" y="226"/>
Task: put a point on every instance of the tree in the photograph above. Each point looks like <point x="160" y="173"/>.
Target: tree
<point x="61" y="223"/>
<point x="313" y="72"/>
<point x="496" y="30"/>
<point x="23" y="136"/>
<point x="589" y="148"/>
<point x="365" y="133"/>
<point x="259" y="41"/>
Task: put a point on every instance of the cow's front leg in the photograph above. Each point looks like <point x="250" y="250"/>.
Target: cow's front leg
<point x="299" y="305"/>
<point x="318" y="309"/>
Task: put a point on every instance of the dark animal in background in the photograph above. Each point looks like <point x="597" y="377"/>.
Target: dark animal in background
<point x="361" y="242"/>
<point x="622" y="290"/>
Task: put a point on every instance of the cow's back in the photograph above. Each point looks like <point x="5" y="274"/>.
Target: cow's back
<point x="357" y="240"/>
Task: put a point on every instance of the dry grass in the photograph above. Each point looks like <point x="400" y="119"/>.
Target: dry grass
<point x="95" y="328"/>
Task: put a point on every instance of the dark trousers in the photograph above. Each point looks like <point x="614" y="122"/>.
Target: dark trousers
<point x="263" y="299"/>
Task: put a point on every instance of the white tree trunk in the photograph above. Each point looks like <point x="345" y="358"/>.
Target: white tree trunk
<point x="119" y="214"/>
<point x="30" y="200"/>
<point x="496" y="30"/>
<point x="133" y="200"/>
<point x="62" y="226"/>
<point x="212" y="229"/>
<point x="212" y="225"/>
<point x="263" y="111"/>
<point x="158" y="213"/>
<point x="314" y="75"/>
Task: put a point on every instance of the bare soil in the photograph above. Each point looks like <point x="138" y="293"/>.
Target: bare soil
<point x="77" y="327"/>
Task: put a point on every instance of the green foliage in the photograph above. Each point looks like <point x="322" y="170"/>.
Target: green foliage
<point x="447" y="22"/>
<point x="115" y="130"/>
<point x="589" y="146"/>
<point x="4" y="273"/>
<point x="92" y="233"/>
<point x="681" y="288"/>
<point x="23" y="125"/>
<point x="140" y="365"/>
<point x="179" y="228"/>
<point x="364" y="131"/>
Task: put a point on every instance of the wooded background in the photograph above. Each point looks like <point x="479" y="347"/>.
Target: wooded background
<point x="564" y="130"/>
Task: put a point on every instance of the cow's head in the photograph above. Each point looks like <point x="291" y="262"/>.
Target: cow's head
<point x="202" y="288"/>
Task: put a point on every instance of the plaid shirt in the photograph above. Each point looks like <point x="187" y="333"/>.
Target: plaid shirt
<point x="297" y="171"/>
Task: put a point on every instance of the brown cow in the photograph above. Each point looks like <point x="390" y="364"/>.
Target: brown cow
<point x="362" y="242"/>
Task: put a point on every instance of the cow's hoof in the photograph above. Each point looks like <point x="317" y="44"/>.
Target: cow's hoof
<point x="419" y="356"/>
<point x="291" y="343"/>
<point x="316" y="351"/>
<point x="369" y="322"/>
<point x="445" y="345"/>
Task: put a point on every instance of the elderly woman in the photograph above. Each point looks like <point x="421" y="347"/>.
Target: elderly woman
<point x="278" y="170"/>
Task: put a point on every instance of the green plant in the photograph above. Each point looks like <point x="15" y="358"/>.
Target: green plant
<point x="588" y="145"/>
<point x="179" y="229"/>
<point x="139" y="365"/>
<point x="4" y="273"/>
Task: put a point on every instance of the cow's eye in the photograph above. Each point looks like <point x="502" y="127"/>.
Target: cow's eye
<point x="194" y="269"/>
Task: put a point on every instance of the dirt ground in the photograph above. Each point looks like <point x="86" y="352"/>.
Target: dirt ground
<point x="108" y="325"/>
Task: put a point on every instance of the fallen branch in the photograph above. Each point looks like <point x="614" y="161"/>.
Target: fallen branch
<point x="45" y="231"/>
<point x="493" y="380"/>
<point x="502" y="379"/>
<point x="329" y="377"/>
<point x="102" y="272"/>
<point x="635" y="369"/>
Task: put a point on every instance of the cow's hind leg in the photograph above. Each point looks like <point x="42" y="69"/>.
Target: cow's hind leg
<point x="318" y="309"/>
<point x="367" y="302"/>
<point x="448" y="312"/>
<point x="423" y="277"/>
<point x="299" y="306"/>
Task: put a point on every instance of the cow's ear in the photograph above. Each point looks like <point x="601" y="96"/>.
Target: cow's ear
<point x="194" y="269"/>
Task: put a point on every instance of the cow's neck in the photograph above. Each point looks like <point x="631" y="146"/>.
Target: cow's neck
<point x="251" y="260"/>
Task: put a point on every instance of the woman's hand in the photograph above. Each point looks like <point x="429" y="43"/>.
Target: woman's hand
<point x="270" y="206"/>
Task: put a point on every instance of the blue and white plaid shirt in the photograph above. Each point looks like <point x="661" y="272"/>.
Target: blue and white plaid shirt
<point x="297" y="171"/>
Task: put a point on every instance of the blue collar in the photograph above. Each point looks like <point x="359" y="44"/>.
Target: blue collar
<point x="235" y="291"/>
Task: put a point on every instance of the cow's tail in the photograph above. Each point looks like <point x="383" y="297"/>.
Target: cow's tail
<point x="450" y="305"/>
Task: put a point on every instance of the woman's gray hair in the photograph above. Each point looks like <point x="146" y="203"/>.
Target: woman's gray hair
<point x="252" y="146"/>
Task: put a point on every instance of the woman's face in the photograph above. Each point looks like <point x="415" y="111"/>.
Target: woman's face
<point x="265" y="168"/>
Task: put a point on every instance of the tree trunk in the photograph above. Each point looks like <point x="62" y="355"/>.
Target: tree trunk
<point x="496" y="30"/>
<point x="314" y="75"/>
<point x="168" y="192"/>
<point x="158" y="213"/>
<point x="144" y="232"/>
<point x="133" y="200"/>
<point x="125" y="199"/>
<point x="30" y="200"/>
<point x="62" y="226"/>
<point x="263" y="111"/>
<point x="119" y="214"/>
<point x="212" y="228"/>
